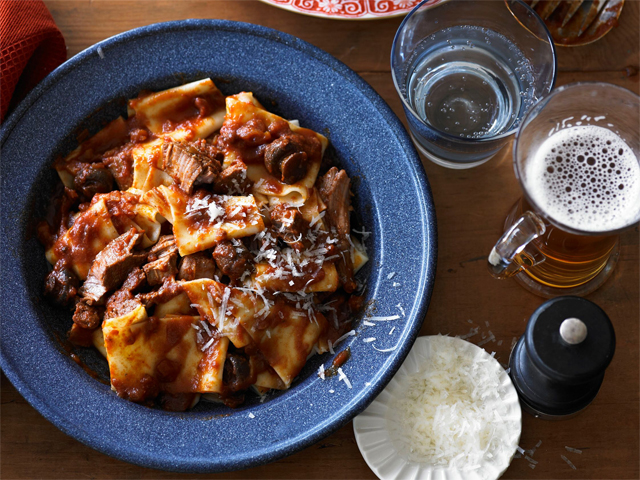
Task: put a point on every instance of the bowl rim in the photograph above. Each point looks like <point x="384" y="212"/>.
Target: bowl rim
<point x="425" y="282"/>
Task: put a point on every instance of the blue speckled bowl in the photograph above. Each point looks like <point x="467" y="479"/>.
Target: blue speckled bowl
<point x="293" y="79"/>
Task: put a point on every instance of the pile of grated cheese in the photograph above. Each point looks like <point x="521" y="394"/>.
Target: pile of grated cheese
<point x="451" y="413"/>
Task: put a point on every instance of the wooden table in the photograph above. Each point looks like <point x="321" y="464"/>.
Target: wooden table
<point x="470" y="205"/>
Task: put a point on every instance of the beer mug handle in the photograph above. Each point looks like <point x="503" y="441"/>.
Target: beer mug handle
<point x="505" y="259"/>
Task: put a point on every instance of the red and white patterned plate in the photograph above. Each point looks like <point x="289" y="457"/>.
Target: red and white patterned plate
<point x="348" y="9"/>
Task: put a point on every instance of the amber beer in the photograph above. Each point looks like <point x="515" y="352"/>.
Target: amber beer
<point x="569" y="260"/>
<point x="582" y="187"/>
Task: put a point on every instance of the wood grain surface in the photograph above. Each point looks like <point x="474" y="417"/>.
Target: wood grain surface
<point x="470" y="207"/>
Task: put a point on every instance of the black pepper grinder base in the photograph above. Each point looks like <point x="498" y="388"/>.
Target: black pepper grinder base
<point x="558" y="365"/>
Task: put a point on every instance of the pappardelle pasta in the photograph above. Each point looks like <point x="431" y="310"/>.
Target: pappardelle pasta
<point x="205" y="247"/>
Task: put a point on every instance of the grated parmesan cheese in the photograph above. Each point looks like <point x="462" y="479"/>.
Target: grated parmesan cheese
<point x="384" y="319"/>
<point x="568" y="462"/>
<point x="315" y="219"/>
<point x="490" y="338"/>
<point x="450" y="413"/>
<point x="384" y="350"/>
<point x="223" y="307"/>
<point x="342" y="377"/>
<point x="362" y="232"/>
<point x="350" y="333"/>
<point x="208" y="344"/>
<point x="205" y="326"/>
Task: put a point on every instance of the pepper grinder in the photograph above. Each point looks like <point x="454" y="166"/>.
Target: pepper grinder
<point x="558" y="365"/>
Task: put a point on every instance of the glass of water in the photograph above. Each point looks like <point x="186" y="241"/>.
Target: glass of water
<point x="467" y="72"/>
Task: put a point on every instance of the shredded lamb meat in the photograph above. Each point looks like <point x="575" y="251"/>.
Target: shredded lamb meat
<point x="188" y="165"/>
<point x="233" y="180"/>
<point x="120" y="164"/>
<point x="162" y="259"/>
<point x="289" y="225"/>
<point x="166" y="292"/>
<point x="123" y="301"/>
<point x="197" y="265"/>
<point x="92" y="178"/>
<point x="111" y="266"/>
<point x="87" y="316"/>
<point x="61" y="285"/>
<point x="334" y="191"/>
<point x="232" y="258"/>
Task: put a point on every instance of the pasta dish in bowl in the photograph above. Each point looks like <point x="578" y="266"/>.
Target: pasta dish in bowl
<point x="159" y="198"/>
<point x="254" y="271"/>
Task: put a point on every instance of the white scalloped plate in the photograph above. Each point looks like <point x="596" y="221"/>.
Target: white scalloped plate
<point x="377" y="448"/>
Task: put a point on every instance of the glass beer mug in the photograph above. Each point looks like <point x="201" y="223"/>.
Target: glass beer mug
<point x="577" y="158"/>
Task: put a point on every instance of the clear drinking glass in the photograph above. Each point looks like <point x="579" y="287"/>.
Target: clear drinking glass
<point x="467" y="71"/>
<point x="577" y="157"/>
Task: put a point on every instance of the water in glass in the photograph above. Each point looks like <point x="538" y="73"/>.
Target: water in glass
<point x="470" y="82"/>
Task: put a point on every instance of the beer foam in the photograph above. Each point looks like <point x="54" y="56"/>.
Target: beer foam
<point x="587" y="178"/>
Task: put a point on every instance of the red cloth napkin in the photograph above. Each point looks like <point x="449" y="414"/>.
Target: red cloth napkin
<point x="31" y="46"/>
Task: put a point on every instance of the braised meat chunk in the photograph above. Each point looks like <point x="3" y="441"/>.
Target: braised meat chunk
<point x="188" y="165"/>
<point x="334" y="191"/>
<point x="61" y="285"/>
<point x="120" y="164"/>
<point x="233" y="258"/>
<point x="210" y="149"/>
<point x="87" y="316"/>
<point x="166" y="292"/>
<point x="92" y="178"/>
<point x="237" y="372"/>
<point x="123" y="301"/>
<point x="165" y="246"/>
<point x="288" y="224"/>
<point x="160" y="269"/>
<point x="163" y="258"/>
<point x="233" y="180"/>
<point x="286" y="159"/>
<point x="111" y="266"/>
<point x="197" y="265"/>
